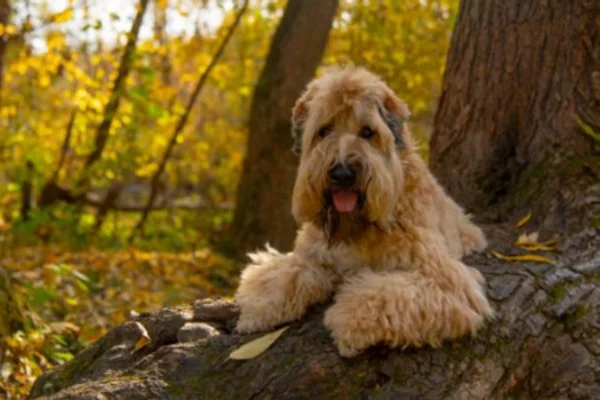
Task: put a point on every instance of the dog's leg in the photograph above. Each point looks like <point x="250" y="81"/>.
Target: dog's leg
<point x="277" y="288"/>
<point x="461" y="235"/>
<point x="408" y="308"/>
<point x="472" y="238"/>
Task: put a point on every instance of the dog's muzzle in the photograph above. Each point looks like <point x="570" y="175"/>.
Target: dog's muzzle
<point x="342" y="175"/>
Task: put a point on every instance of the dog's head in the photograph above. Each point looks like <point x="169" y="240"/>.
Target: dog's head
<point x="349" y="130"/>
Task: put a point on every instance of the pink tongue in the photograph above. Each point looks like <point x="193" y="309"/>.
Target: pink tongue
<point x="345" y="200"/>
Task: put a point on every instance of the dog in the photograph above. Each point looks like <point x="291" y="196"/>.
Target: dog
<point x="377" y="230"/>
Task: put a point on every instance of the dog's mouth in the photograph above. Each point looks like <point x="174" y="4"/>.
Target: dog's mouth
<point x="344" y="200"/>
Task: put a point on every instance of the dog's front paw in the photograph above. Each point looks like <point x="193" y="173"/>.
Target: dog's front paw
<point x="352" y="330"/>
<point x="475" y="294"/>
<point x="247" y="325"/>
<point x="254" y="318"/>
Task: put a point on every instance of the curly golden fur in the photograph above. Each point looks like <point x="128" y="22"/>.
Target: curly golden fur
<point x="388" y="247"/>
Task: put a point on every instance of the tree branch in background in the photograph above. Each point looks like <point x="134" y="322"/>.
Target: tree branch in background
<point x="182" y="122"/>
<point x="49" y="194"/>
<point x="113" y="104"/>
<point x="160" y="32"/>
<point x="4" y="18"/>
<point x="65" y="147"/>
<point x="27" y="191"/>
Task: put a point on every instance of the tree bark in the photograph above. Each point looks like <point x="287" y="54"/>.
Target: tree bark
<point x="543" y="344"/>
<point x="263" y="211"/>
<point x="519" y="108"/>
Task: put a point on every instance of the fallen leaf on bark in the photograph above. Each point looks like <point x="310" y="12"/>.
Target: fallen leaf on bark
<point x="256" y="347"/>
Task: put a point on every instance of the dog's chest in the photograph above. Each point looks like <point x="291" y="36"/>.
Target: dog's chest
<point x="347" y="260"/>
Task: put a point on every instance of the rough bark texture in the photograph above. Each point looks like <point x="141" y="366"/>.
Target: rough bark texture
<point x="521" y="88"/>
<point x="264" y="194"/>
<point x="542" y="345"/>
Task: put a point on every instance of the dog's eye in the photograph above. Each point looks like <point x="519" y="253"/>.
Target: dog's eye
<point x="366" y="133"/>
<point x="325" y="131"/>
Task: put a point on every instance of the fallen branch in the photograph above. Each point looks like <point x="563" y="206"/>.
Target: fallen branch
<point x="97" y="201"/>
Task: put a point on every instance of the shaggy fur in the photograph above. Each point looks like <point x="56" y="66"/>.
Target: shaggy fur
<point x="393" y="262"/>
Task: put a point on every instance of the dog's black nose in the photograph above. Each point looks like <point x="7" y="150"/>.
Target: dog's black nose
<point x="342" y="175"/>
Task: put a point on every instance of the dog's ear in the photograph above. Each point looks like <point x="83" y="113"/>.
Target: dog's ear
<point x="394" y="112"/>
<point x="299" y="117"/>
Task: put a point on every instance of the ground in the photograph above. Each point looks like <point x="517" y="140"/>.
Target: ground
<point x="75" y="297"/>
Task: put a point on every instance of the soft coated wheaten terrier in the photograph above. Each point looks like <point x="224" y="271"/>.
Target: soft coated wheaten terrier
<point x="377" y="230"/>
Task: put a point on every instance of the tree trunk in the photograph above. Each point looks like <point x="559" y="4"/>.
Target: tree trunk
<point x="263" y="209"/>
<point x="542" y="345"/>
<point x="520" y="108"/>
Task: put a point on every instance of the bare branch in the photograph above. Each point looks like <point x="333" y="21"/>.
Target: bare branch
<point x="65" y="147"/>
<point x="183" y="120"/>
<point x="113" y="104"/>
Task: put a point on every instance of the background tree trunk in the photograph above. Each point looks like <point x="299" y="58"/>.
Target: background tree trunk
<point x="520" y="108"/>
<point x="263" y="206"/>
<point x="542" y="345"/>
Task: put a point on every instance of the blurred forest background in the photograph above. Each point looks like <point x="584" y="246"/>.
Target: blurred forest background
<point x="124" y="126"/>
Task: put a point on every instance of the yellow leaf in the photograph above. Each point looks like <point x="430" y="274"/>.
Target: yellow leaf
<point x="530" y="242"/>
<point x="528" y="238"/>
<point x="72" y="301"/>
<point x="524" y="220"/>
<point x="10" y="29"/>
<point x="44" y="81"/>
<point x="256" y="347"/>
<point x="538" y="247"/>
<point x="144" y="339"/>
<point x="63" y="16"/>
<point x="523" y="258"/>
